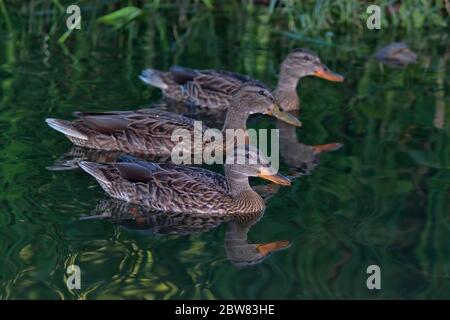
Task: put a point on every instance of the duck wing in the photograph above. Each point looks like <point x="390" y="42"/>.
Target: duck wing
<point x="215" y="180"/>
<point x="143" y="119"/>
<point x="146" y="131"/>
<point x="208" y="88"/>
<point x="163" y="187"/>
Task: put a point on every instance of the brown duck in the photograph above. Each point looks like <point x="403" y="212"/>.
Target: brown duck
<point x="396" y="54"/>
<point x="214" y="88"/>
<point x="174" y="188"/>
<point x="150" y="131"/>
<point x="300" y="157"/>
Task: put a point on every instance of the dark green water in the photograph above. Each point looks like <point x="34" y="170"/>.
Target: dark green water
<point x="382" y="199"/>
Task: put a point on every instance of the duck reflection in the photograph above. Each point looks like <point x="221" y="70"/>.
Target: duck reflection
<point x="70" y="159"/>
<point x="300" y="158"/>
<point x="143" y="218"/>
<point x="239" y="251"/>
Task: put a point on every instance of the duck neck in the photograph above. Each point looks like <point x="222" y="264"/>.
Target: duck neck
<point x="237" y="181"/>
<point x="288" y="133"/>
<point x="246" y="200"/>
<point x="237" y="115"/>
<point x="286" y="90"/>
<point x="287" y="80"/>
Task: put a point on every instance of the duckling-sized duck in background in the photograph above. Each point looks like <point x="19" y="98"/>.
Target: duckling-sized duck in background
<point x="175" y="188"/>
<point x="214" y="88"/>
<point x="396" y="54"/>
<point x="150" y="132"/>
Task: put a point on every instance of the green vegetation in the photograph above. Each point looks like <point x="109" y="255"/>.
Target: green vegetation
<point x="306" y="18"/>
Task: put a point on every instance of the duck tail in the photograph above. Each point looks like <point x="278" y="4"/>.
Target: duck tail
<point x="154" y="78"/>
<point x="95" y="170"/>
<point x="66" y="128"/>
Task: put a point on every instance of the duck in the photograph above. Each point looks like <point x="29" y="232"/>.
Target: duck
<point x="396" y="54"/>
<point x="150" y="131"/>
<point x="180" y="188"/>
<point x="213" y="89"/>
<point x="300" y="157"/>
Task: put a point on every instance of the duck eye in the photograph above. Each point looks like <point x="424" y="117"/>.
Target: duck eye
<point x="261" y="92"/>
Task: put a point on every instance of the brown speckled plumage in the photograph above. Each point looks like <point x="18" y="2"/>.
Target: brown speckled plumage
<point x="174" y="188"/>
<point x="144" y="131"/>
<point x="204" y="88"/>
<point x="213" y="89"/>
<point x="150" y="131"/>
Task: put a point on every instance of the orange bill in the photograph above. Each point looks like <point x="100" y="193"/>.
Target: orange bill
<point x="327" y="74"/>
<point x="267" y="248"/>
<point x="275" y="178"/>
<point x="284" y="116"/>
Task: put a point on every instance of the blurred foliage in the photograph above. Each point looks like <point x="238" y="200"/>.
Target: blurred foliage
<point x="307" y="18"/>
<point x="121" y="17"/>
<point x="382" y="199"/>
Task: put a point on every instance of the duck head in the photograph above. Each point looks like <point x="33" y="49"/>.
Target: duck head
<point x="252" y="98"/>
<point x="300" y="63"/>
<point x="247" y="161"/>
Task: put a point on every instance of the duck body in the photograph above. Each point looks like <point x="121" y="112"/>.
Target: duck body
<point x="153" y="132"/>
<point x="210" y="89"/>
<point x="168" y="187"/>
<point x="213" y="89"/>
<point x="178" y="188"/>
<point x="140" y="132"/>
